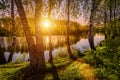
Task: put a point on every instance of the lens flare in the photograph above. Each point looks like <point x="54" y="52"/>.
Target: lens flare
<point x="46" y="24"/>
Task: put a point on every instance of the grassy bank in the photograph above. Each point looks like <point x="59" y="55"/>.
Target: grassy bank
<point x="106" y="59"/>
<point x="62" y="68"/>
<point x="12" y="71"/>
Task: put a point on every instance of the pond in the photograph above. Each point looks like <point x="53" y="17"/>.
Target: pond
<point x="79" y="42"/>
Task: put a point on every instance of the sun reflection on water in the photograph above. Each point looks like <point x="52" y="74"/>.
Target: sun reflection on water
<point x="47" y="39"/>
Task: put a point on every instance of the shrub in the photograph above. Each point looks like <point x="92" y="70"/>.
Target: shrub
<point x="62" y="53"/>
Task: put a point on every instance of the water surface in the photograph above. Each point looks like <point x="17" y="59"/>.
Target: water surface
<point x="79" y="42"/>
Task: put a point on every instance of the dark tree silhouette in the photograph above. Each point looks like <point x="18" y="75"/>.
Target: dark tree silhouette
<point x="36" y="51"/>
<point x="90" y="33"/>
<point x="2" y="57"/>
<point x="13" y="32"/>
<point x="68" y="25"/>
<point x="50" y="42"/>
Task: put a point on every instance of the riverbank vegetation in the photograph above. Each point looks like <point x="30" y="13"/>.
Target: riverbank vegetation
<point x="54" y="17"/>
<point x="105" y="59"/>
<point x="104" y="65"/>
<point x="62" y="68"/>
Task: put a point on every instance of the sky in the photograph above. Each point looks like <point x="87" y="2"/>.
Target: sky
<point x="82" y="20"/>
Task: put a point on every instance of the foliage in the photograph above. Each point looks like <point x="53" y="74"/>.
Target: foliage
<point x="106" y="59"/>
<point x="3" y="4"/>
<point x="6" y="27"/>
<point x="62" y="53"/>
<point x="71" y="72"/>
<point x="12" y="71"/>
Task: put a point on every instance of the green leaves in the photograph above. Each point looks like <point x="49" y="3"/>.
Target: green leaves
<point x="106" y="60"/>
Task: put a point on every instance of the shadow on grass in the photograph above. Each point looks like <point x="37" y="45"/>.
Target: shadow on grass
<point x="32" y="74"/>
<point x="54" y="71"/>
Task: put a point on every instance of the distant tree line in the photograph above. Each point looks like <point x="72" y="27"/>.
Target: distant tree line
<point x="96" y="11"/>
<point x="58" y="27"/>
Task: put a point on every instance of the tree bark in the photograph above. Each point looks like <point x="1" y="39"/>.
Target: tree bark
<point x="50" y="42"/>
<point x="90" y="33"/>
<point x="39" y="36"/>
<point x="28" y="35"/>
<point x="115" y="13"/>
<point x="50" y="50"/>
<point x="115" y="27"/>
<point x="68" y="25"/>
<point x="13" y="32"/>
<point x="36" y="51"/>
<point x="105" y="20"/>
<point x="2" y="57"/>
<point x="110" y="12"/>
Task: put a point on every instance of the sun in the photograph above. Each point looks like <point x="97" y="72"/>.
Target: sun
<point x="46" y="24"/>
